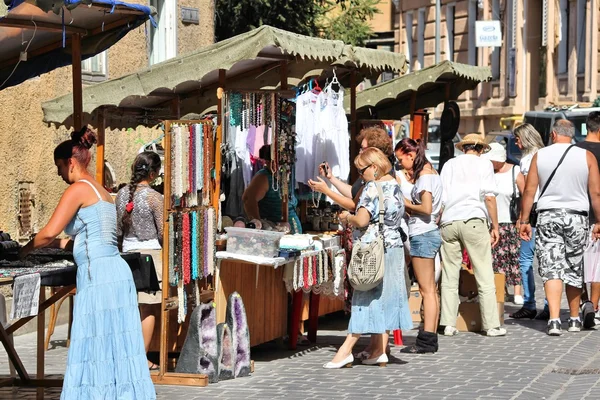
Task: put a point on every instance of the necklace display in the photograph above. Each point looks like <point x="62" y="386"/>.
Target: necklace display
<point x="191" y="163"/>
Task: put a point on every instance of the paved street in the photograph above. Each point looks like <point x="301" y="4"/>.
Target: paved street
<point x="526" y="364"/>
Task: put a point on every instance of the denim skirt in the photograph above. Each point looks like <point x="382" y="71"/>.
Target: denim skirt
<point x="385" y="307"/>
<point x="426" y="245"/>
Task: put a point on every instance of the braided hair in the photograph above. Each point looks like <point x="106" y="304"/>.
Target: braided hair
<point x="144" y="166"/>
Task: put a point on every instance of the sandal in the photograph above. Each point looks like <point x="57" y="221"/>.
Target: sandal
<point x="153" y="367"/>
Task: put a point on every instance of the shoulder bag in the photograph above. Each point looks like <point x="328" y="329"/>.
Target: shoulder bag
<point x="515" y="202"/>
<point x="367" y="262"/>
<point x="533" y="214"/>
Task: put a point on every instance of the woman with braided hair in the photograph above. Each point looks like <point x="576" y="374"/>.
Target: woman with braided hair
<point x="140" y="229"/>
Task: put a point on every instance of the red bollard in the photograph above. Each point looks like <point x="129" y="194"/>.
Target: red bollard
<point x="398" y="337"/>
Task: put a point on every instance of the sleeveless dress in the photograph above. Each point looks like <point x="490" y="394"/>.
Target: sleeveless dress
<point x="106" y="357"/>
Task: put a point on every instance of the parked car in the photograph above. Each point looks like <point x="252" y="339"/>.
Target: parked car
<point x="542" y="121"/>
<point x="434" y="141"/>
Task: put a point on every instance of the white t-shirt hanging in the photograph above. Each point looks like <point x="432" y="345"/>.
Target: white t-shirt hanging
<point x="306" y="115"/>
<point x="332" y="140"/>
<point x="419" y="223"/>
<point x="505" y="185"/>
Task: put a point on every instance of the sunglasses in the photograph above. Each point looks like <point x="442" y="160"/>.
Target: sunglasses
<point x="362" y="170"/>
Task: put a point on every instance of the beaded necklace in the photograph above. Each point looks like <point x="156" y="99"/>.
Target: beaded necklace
<point x="185" y="248"/>
<point x="194" y="245"/>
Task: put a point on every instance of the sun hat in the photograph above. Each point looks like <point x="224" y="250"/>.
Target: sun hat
<point x="497" y="153"/>
<point x="473" y="138"/>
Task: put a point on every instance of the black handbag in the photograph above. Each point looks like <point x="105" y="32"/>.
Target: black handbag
<point x="515" y="202"/>
<point x="533" y="214"/>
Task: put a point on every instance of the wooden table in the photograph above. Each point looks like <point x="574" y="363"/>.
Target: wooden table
<point x="24" y="379"/>
<point x="64" y="279"/>
<point x="260" y="283"/>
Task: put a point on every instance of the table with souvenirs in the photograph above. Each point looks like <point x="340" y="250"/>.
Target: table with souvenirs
<point x="29" y="278"/>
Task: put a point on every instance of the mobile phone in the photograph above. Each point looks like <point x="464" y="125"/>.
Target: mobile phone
<point x="325" y="167"/>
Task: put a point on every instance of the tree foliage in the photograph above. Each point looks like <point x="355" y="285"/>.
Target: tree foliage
<point x="348" y="22"/>
<point x="345" y="20"/>
<point x="597" y="102"/>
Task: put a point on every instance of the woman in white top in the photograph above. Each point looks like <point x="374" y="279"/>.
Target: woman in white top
<point x="529" y="141"/>
<point x="425" y="241"/>
<point x="509" y="183"/>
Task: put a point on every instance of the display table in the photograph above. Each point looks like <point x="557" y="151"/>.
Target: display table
<point x="62" y="277"/>
<point x="264" y="286"/>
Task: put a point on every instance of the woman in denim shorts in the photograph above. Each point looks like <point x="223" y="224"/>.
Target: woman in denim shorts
<point x="424" y="233"/>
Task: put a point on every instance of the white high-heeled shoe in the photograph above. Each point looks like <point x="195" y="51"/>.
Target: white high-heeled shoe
<point x="382" y="360"/>
<point x="345" y="363"/>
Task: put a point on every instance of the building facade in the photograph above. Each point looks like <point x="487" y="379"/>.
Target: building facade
<point x="549" y="55"/>
<point x="29" y="185"/>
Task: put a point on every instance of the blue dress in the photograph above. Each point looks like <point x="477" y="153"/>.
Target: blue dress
<point x="385" y="307"/>
<point x="106" y="359"/>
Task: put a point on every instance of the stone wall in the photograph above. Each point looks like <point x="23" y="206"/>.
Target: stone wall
<point x="27" y="144"/>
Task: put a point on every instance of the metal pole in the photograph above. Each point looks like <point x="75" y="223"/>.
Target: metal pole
<point x="438" y="33"/>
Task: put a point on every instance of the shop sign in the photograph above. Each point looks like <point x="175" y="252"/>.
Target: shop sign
<point x="488" y="34"/>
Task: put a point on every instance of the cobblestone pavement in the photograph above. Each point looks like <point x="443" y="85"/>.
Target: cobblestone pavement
<point x="526" y="364"/>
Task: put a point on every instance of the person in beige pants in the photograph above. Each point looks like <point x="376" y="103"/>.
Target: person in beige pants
<point x="469" y="200"/>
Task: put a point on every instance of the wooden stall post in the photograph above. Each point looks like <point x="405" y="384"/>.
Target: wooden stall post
<point x="413" y="103"/>
<point x="284" y="86"/>
<point x="100" y="146"/>
<point x="419" y="124"/>
<point x="41" y="349"/>
<point x="77" y="88"/>
<point x="164" y="320"/>
<point x="216" y="200"/>
<point x="176" y="107"/>
<point x="353" y="125"/>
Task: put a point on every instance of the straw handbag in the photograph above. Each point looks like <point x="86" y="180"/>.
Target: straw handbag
<point x="367" y="262"/>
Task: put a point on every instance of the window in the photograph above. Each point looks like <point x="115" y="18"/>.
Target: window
<point x="581" y="28"/>
<point x="472" y="18"/>
<point x="408" y="24"/>
<point x="94" y="69"/>
<point x="563" y="45"/>
<point x="163" y="38"/>
<point x="421" y="39"/>
<point x="27" y="210"/>
<point x="450" y="8"/>
<point x="496" y="50"/>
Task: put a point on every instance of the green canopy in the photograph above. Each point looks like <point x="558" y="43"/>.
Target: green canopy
<point x="252" y="61"/>
<point x="392" y="99"/>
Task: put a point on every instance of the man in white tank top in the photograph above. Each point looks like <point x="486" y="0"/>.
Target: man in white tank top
<point x="562" y="227"/>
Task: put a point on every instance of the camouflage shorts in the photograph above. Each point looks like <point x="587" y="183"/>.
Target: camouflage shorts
<point x="560" y="240"/>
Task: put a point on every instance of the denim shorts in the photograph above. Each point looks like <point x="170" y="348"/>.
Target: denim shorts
<point x="426" y="245"/>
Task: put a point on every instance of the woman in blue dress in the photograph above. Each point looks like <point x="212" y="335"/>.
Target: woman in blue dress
<point x="106" y="357"/>
<point x="385" y="307"/>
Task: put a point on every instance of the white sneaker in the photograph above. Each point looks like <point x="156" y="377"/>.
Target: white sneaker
<point x="496" y="332"/>
<point x="450" y="331"/>
<point x="518" y="300"/>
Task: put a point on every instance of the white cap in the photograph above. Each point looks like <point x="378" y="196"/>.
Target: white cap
<point x="497" y="153"/>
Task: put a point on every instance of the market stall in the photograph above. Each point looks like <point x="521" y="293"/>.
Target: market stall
<point x="410" y="94"/>
<point x="34" y="41"/>
<point x="257" y="68"/>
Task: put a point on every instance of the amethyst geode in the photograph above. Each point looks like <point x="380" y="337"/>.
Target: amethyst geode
<point x="199" y="353"/>
<point x="225" y="352"/>
<point x="240" y="335"/>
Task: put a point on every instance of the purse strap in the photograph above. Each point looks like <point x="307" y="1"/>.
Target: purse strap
<point x="514" y="184"/>
<point x="553" y="172"/>
<point x="381" y="205"/>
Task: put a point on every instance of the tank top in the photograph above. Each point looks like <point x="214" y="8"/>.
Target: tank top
<point x="569" y="186"/>
<point x="269" y="206"/>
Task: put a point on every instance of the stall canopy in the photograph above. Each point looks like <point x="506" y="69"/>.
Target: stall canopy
<point x="425" y="88"/>
<point x="36" y="35"/>
<point x="252" y="60"/>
